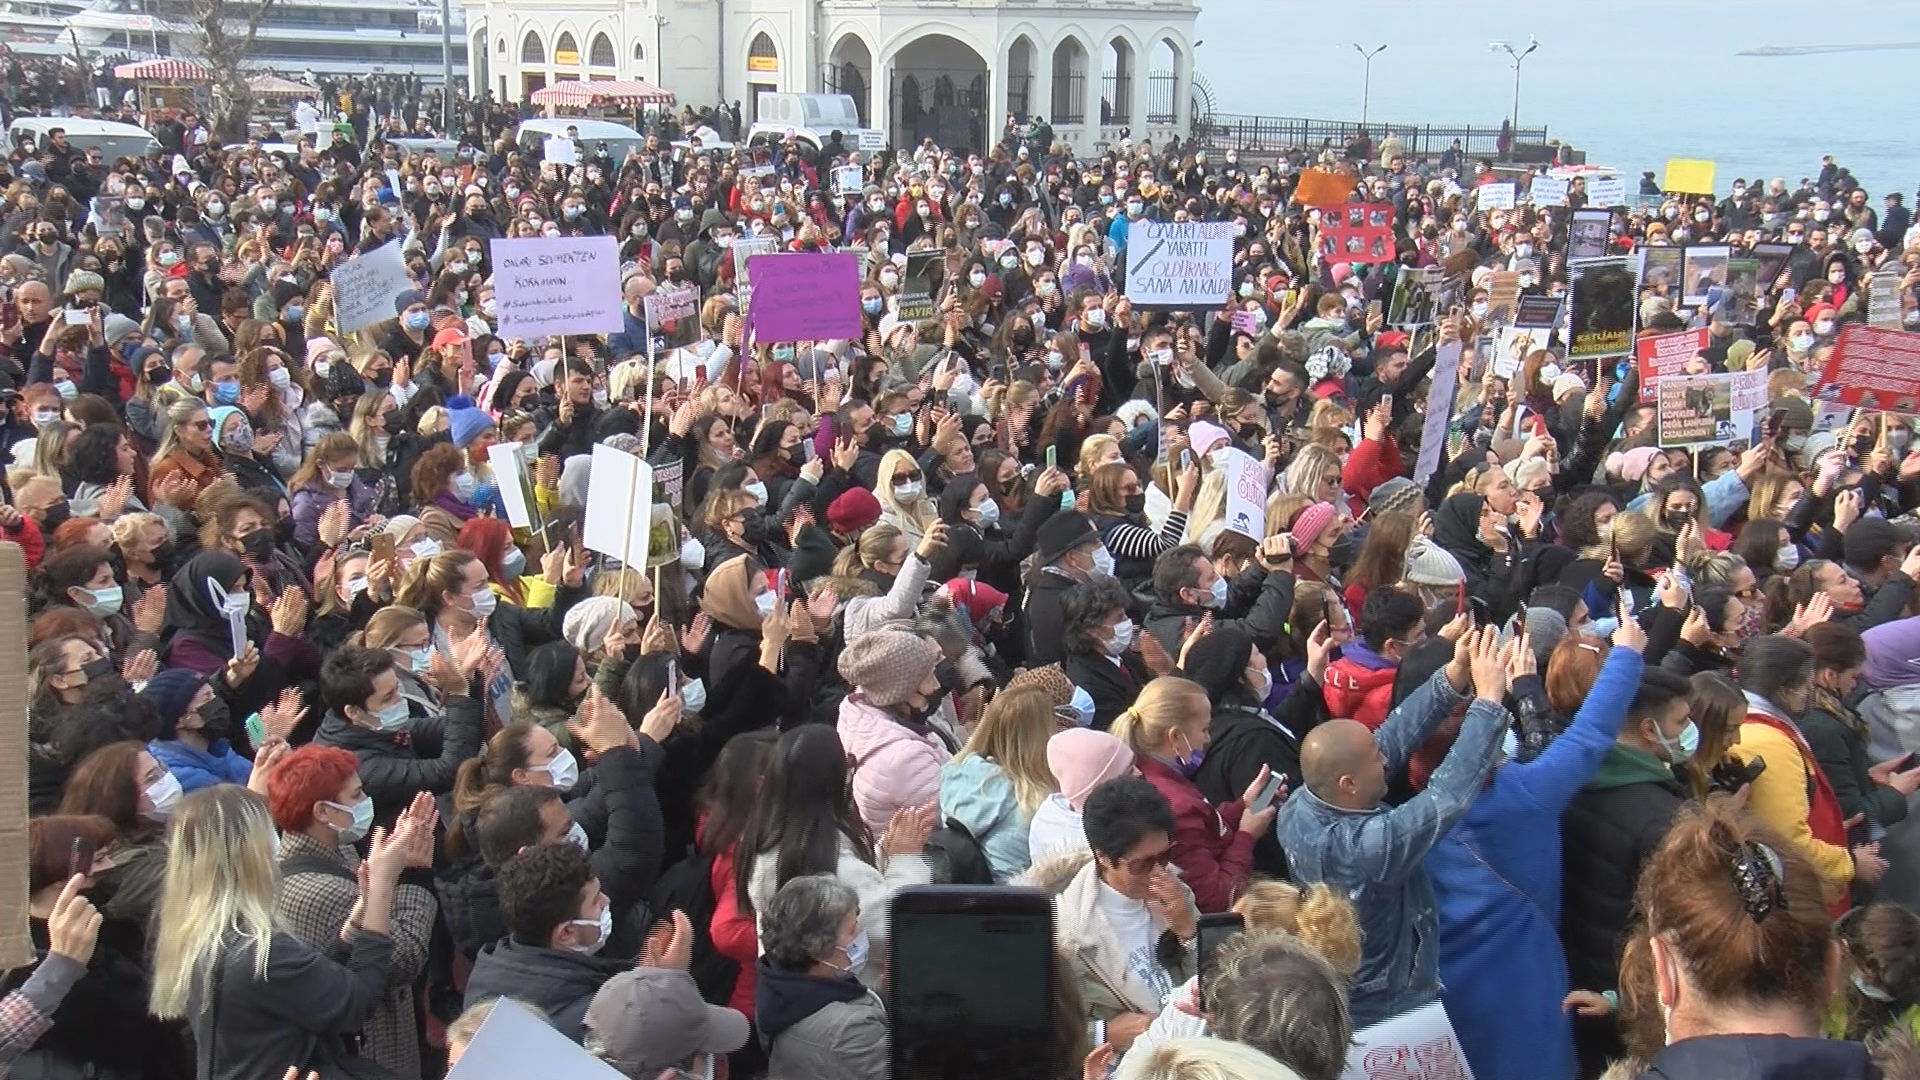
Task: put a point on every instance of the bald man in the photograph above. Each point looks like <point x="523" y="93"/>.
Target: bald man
<point x="1337" y="831"/>
<point x="34" y="301"/>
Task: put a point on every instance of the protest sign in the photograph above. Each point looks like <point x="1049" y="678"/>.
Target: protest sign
<point x="848" y="180"/>
<point x="1246" y="509"/>
<point x="744" y="248"/>
<point x="1357" y="232"/>
<point x="1503" y="298"/>
<point x="1661" y="266"/>
<point x="804" y="296"/>
<point x="1324" y="188"/>
<point x="914" y="301"/>
<point x="1415" y="1045"/>
<point x="1589" y="235"/>
<point x="1515" y="342"/>
<point x="1606" y="191"/>
<point x="1433" y="433"/>
<point x="1873" y="368"/>
<point x="619" y="506"/>
<point x="1548" y="191"/>
<point x="1748" y="407"/>
<point x="1883" y="297"/>
<point x="1538" y="312"/>
<point x="1694" y="410"/>
<point x="516" y="485"/>
<point x="559" y="150"/>
<point x="1186" y="264"/>
<point x="364" y="287"/>
<point x="1604" y="300"/>
<point x="1495" y="196"/>
<point x="1703" y="272"/>
<point x="1412" y="303"/>
<point x="1666" y="355"/>
<point x="1741" y="303"/>
<point x="673" y="316"/>
<point x="513" y="1044"/>
<point x="547" y="285"/>
<point x="1830" y="417"/>
<point x="1688" y="176"/>
<point x="1773" y="259"/>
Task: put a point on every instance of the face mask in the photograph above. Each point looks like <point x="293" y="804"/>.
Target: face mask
<point x="425" y="549"/>
<point x="393" y="717"/>
<point x="226" y="393"/>
<point x="463" y="486"/>
<point x="164" y="794"/>
<point x="513" y="564"/>
<point x="484" y="602"/>
<point x="976" y="279"/>
<point x="1823" y="327"/>
<point x="1122" y="636"/>
<point x="1262" y="685"/>
<point x="693" y="696"/>
<point x="1801" y="342"/>
<point x="258" y="544"/>
<point x="758" y="490"/>
<point x="45" y="416"/>
<point x="856" y="951"/>
<point x="1136" y="504"/>
<point x="1872" y="993"/>
<point x="693" y="554"/>
<point x="1480" y="309"/>
<point x="909" y="490"/>
<point x="764" y="603"/>
<point x="417" y="320"/>
<point x="563" y="770"/>
<point x="362" y="813"/>
<point x="103" y="602"/>
<point x="1682" y="747"/>
<point x="1787" y="557"/>
<point x="1189" y="762"/>
<point x="1103" y="560"/>
<point x="989" y="513"/>
<point x="603" y="924"/>
<point x="1217" y="595"/>
<point x="1095" y="319"/>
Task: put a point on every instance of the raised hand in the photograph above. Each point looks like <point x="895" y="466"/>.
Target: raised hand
<point x="285" y="714"/>
<point x="1320" y="645"/>
<point x="908" y="829"/>
<point x="139" y="667"/>
<point x="1168" y="900"/>
<point x="694" y="637"/>
<point x="334" y="521"/>
<point x="289" y="612"/>
<point x="1252" y="822"/>
<point x="113" y="501"/>
<point x="1629" y="634"/>
<point x="1489" y="667"/>
<point x="73" y="927"/>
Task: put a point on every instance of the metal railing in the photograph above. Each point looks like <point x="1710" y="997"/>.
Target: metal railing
<point x="1275" y="135"/>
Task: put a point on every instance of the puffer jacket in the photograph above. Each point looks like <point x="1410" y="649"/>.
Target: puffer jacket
<point x="820" y="1029"/>
<point x="1607" y="834"/>
<point x="894" y="766"/>
<point x="977" y="793"/>
<point x="1214" y="856"/>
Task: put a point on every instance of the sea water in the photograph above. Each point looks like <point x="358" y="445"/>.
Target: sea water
<point x="1632" y="82"/>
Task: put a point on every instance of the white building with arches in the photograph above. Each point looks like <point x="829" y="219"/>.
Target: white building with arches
<point x="950" y="70"/>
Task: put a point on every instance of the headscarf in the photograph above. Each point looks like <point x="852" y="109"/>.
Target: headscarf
<point x="587" y="622"/>
<point x="1893" y="654"/>
<point x="191" y="608"/>
<point x="1456" y="525"/>
<point x="729" y="595"/>
<point x="574" y="473"/>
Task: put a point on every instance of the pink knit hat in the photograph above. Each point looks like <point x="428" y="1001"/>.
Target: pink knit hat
<point x="1312" y="521"/>
<point x="1631" y="465"/>
<point x="1082" y="759"/>
<point x="318" y="347"/>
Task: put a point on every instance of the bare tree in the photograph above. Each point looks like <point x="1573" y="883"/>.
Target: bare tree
<point x="226" y="29"/>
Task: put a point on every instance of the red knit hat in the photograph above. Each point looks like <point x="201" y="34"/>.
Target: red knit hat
<point x="1813" y="312"/>
<point x="977" y="597"/>
<point x="853" y="511"/>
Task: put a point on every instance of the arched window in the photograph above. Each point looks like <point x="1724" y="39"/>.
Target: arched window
<point x="565" y="51"/>
<point x="639" y="50"/>
<point x="601" y="55"/>
<point x="762" y="57"/>
<point x="531" y="51"/>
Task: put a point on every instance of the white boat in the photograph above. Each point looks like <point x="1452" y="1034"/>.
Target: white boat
<point x="351" y="37"/>
<point x="37" y="27"/>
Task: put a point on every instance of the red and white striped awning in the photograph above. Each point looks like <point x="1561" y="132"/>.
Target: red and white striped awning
<point x="583" y="95"/>
<point x="165" y="70"/>
<point x="275" y="86"/>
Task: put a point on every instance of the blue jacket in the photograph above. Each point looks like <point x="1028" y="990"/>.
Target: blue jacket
<point x="196" y="769"/>
<point x="977" y="793"/>
<point x="1496" y="878"/>
<point x="631" y="338"/>
<point x="1377" y="858"/>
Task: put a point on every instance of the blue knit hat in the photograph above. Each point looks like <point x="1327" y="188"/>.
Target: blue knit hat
<point x="171" y="690"/>
<point x="465" y="421"/>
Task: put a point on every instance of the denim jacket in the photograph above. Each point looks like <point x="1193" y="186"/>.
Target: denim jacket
<point x="1377" y="858"/>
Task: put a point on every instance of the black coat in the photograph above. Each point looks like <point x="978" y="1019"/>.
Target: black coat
<point x="1842" y="755"/>
<point x="396" y="766"/>
<point x="1112" y="686"/>
<point x="627" y="856"/>
<point x="1607" y="833"/>
<point x="1241" y="740"/>
<point x="1044" y="631"/>
<point x="110" y="996"/>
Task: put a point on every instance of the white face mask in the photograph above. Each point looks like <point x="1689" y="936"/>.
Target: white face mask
<point x="1121" y="638"/>
<point x="764" y="603"/>
<point x="1787" y="557"/>
<point x="693" y="554"/>
<point x="563" y="769"/>
<point x="604" y="926"/>
<point x="164" y="794"/>
<point x="693" y="696"/>
<point x="758" y="490"/>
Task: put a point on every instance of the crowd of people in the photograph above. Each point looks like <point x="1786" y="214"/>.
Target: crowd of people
<point x="1572" y="756"/>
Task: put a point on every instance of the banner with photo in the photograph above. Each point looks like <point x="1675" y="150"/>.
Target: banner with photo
<point x="1605" y="300"/>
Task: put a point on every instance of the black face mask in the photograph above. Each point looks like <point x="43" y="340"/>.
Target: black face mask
<point x="97" y="669"/>
<point x="754" y="530"/>
<point x="1137" y="504"/>
<point x="54" y="516"/>
<point x="949" y="675"/>
<point x="1677" y="519"/>
<point x="159" y="375"/>
<point x="216" y="719"/>
<point x="382" y="380"/>
<point x="258" y="543"/>
<point x="164" y="557"/>
<point x="1342" y="552"/>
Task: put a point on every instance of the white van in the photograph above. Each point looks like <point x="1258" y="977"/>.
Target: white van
<point x="619" y="137"/>
<point x="812" y="119"/>
<point x="114" y="140"/>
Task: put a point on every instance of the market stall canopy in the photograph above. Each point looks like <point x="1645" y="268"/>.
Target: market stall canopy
<point x="275" y="86"/>
<point x="608" y="92"/>
<point x="163" y="71"/>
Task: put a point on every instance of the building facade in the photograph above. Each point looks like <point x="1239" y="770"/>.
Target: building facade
<point x="950" y="70"/>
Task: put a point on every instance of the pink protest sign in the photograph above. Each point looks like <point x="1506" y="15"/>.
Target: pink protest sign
<point x="804" y="296"/>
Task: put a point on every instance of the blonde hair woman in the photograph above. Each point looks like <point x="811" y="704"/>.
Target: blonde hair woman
<point x="902" y="492"/>
<point x="1096" y="450"/>
<point x="1198" y="1059"/>
<point x="997" y="781"/>
<point x="1167" y="728"/>
<point x="253" y="994"/>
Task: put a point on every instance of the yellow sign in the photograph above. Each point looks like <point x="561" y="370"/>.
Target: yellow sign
<point x="763" y="63"/>
<point x="566" y="56"/>
<point x="1688" y="176"/>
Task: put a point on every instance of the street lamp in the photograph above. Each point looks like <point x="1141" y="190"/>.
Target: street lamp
<point x="1366" y="87"/>
<point x="1501" y="46"/>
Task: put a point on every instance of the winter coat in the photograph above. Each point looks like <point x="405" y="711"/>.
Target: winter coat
<point x="1793" y="796"/>
<point x="1893" y="724"/>
<point x="875" y="887"/>
<point x="894" y="766"/>
<point x="1609" y="831"/>
<point x="303" y="1010"/>
<point x="820" y="1029"/>
<point x="196" y="768"/>
<point x="1108" y="984"/>
<point x="560" y="981"/>
<point x="1214" y="856"/>
<point x="976" y="793"/>
<point x="1761" y="1057"/>
<point x="1496" y="881"/>
<point x="397" y="765"/>
<point x="1241" y="740"/>
<point x="1360" y="685"/>
<point x="1842" y="754"/>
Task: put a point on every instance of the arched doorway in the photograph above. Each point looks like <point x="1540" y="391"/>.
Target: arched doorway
<point x="1022" y="59"/>
<point x="533" y="64"/>
<point x="763" y="72"/>
<point x="1163" y="83"/>
<point x="850" y="72"/>
<point x="954" y="115"/>
<point x="1069" y="83"/>
<point x="1116" y="84"/>
<point x="566" y="54"/>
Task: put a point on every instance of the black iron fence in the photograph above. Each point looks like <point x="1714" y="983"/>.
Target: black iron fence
<point x="1270" y="136"/>
<point x="1069" y="97"/>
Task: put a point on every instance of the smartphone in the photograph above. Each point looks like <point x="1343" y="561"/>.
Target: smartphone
<point x="1216" y="930"/>
<point x="672" y="685"/>
<point x="970" y="986"/>
<point x="1052" y="457"/>
<point x="256" y="730"/>
<point x="80" y="857"/>
<point x="77" y="316"/>
<point x="380" y="546"/>
<point x="1186" y="459"/>
<point x="1373" y="310"/>
<point x="1266" y="796"/>
<point x="1789" y="294"/>
<point x="1388" y="398"/>
<point x="9" y="313"/>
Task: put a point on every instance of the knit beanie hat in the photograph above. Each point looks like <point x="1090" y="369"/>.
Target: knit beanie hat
<point x="117" y="326"/>
<point x="587" y="622"/>
<point x="85" y="281"/>
<point x="853" y="511"/>
<point x="465" y="421"/>
<point x="1545" y="628"/>
<point x="1392" y="495"/>
<point x="888" y="665"/>
<point x="1631" y="465"/>
<point x="318" y="347"/>
<point x="1430" y="564"/>
<point x="813" y="554"/>
<point x="1568" y="383"/>
<point x="1311" y="522"/>
<point x="170" y="690"/>
<point x="1082" y="759"/>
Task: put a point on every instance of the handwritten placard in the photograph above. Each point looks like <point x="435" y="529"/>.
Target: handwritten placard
<point x="364" y="287"/>
<point x="546" y="285"/>
<point x="1548" y="191"/>
<point x="1181" y="263"/>
<point x="805" y="296"/>
<point x="1496" y="196"/>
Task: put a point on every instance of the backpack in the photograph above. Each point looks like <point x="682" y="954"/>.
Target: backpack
<point x="687" y="886"/>
<point x="957" y="857"/>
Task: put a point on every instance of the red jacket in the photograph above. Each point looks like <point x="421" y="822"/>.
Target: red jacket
<point x="33" y="546"/>
<point x="1368" y="466"/>
<point x="1215" y="858"/>
<point x="733" y="932"/>
<point x="1358" y="692"/>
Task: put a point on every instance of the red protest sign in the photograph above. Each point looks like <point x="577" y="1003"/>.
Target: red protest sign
<point x="1666" y="354"/>
<point x="1357" y="233"/>
<point x="1872" y="368"/>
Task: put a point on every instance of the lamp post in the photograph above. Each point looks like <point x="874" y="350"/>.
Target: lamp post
<point x="1501" y="46"/>
<point x="1366" y="86"/>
